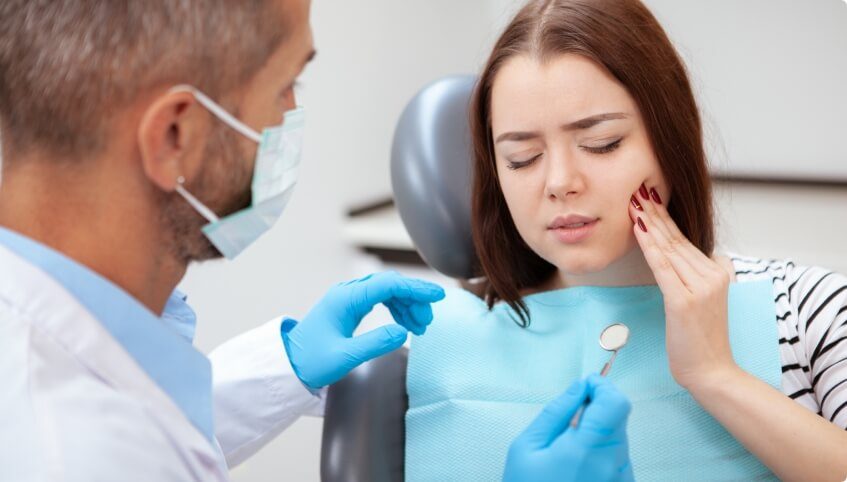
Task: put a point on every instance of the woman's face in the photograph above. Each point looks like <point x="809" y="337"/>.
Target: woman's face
<point x="570" y="148"/>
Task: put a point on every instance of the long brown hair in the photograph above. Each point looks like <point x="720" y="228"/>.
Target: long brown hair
<point x="625" y="38"/>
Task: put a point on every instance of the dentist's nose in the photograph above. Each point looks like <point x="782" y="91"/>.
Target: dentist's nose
<point x="289" y="100"/>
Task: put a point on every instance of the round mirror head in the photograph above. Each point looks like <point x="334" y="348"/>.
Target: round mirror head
<point x="614" y="337"/>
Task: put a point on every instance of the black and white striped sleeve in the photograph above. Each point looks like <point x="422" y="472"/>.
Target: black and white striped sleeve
<point x="810" y="306"/>
<point x="820" y="300"/>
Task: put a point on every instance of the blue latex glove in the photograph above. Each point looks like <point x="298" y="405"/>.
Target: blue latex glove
<point x="322" y="349"/>
<point x="596" y="450"/>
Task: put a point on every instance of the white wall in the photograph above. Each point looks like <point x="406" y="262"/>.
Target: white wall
<point x="771" y="75"/>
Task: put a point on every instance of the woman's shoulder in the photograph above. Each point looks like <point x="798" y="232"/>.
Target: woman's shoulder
<point x="750" y="268"/>
<point x="785" y="273"/>
<point x="807" y="292"/>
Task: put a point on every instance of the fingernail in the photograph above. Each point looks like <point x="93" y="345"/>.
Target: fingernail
<point x="641" y="225"/>
<point x="643" y="191"/>
<point x="655" y="196"/>
<point x="635" y="203"/>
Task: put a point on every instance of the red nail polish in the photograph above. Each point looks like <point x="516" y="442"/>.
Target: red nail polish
<point x="641" y="225"/>
<point x="655" y="196"/>
<point x="643" y="191"/>
<point x="635" y="203"/>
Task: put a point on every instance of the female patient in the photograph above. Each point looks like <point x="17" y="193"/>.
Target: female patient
<point x="590" y="171"/>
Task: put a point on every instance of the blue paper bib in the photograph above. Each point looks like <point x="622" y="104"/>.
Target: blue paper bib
<point x="476" y="380"/>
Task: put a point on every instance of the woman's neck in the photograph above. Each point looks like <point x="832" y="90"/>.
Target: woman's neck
<point x="630" y="270"/>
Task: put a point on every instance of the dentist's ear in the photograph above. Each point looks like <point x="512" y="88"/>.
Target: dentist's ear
<point x="171" y="138"/>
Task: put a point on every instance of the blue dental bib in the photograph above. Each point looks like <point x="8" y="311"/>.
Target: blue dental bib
<point x="476" y="380"/>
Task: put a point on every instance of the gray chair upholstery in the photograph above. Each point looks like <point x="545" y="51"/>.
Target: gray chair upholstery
<point x="431" y="175"/>
<point x="364" y="423"/>
<point x="364" y="431"/>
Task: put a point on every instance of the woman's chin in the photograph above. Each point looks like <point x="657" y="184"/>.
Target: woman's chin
<point x="583" y="266"/>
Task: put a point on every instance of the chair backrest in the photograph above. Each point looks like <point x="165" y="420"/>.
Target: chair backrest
<point x="431" y="175"/>
<point x="364" y="432"/>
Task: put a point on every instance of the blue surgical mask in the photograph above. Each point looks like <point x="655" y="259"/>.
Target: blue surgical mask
<point x="274" y="177"/>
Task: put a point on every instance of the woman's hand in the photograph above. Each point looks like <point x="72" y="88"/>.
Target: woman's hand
<point x="695" y="290"/>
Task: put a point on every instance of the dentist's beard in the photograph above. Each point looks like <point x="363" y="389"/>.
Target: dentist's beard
<point x="223" y="184"/>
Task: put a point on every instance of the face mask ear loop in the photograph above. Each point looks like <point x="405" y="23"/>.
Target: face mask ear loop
<point x="194" y="202"/>
<point x="220" y="112"/>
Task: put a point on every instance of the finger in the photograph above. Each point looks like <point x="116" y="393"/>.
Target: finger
<point x="662" y="217"/>
<point x="376" y="343"/>
<point x="556" y="416"/>
<point x="646" y="208"/>
<point x="422" y="314"/>
<point x="672" y="251"/>
<point x="677" y="249"/>
<point x="606" y="414"/>
<point x="403" y="316"/>
<point x="392" y="285"/>
<point x="666" y="277"/>
<point x="370" y="291"/>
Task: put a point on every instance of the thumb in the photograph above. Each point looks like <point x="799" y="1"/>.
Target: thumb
<point x="378" y="342"/>
<point x="607" y="413"/>
<point x="556" y="416"/>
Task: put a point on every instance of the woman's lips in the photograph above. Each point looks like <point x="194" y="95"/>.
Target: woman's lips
<point x="571" y="234"/>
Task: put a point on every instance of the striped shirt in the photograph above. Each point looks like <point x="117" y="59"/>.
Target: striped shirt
<point x="811" y="317"/>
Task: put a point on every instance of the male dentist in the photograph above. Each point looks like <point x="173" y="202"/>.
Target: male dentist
<point x="139" y="137"/>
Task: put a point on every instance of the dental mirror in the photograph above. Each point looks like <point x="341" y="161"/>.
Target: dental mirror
<point x="612" y="339"/>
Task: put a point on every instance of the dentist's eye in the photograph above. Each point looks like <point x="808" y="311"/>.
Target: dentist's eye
<point x="514" y="165"/>
<point x="604" y="149"/>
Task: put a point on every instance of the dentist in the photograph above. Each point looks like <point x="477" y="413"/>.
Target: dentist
<point x="139" y="137"/>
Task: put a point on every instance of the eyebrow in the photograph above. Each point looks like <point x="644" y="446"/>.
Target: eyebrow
<point x="580" y="124"/>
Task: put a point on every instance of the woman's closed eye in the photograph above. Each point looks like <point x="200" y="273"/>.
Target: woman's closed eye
<point x="603" y="148"/>
<point x="519" y="164"/>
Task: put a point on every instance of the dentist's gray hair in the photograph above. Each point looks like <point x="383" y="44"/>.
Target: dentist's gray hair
<point x="66" y="66"/>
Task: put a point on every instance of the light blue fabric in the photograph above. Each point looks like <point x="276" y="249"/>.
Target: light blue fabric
<point x="179" y="315"/>
<point x="162" y="347"/>
<point x="476" y="380"/>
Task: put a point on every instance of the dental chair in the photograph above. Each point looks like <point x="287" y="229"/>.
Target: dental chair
<point x="364" y="422"/>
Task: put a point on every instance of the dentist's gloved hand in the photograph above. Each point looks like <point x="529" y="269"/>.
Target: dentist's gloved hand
<point x="322" y="349"/>
<point x="596" y="450"/>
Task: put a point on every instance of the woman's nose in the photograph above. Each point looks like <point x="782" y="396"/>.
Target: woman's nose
<point x="564" y="177"/>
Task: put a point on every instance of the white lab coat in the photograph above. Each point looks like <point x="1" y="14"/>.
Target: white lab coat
<point x="74" y="406"/>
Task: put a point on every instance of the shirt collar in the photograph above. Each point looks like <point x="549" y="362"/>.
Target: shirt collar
<point x="179" y="316"/>
<point x="161" y="346"/>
